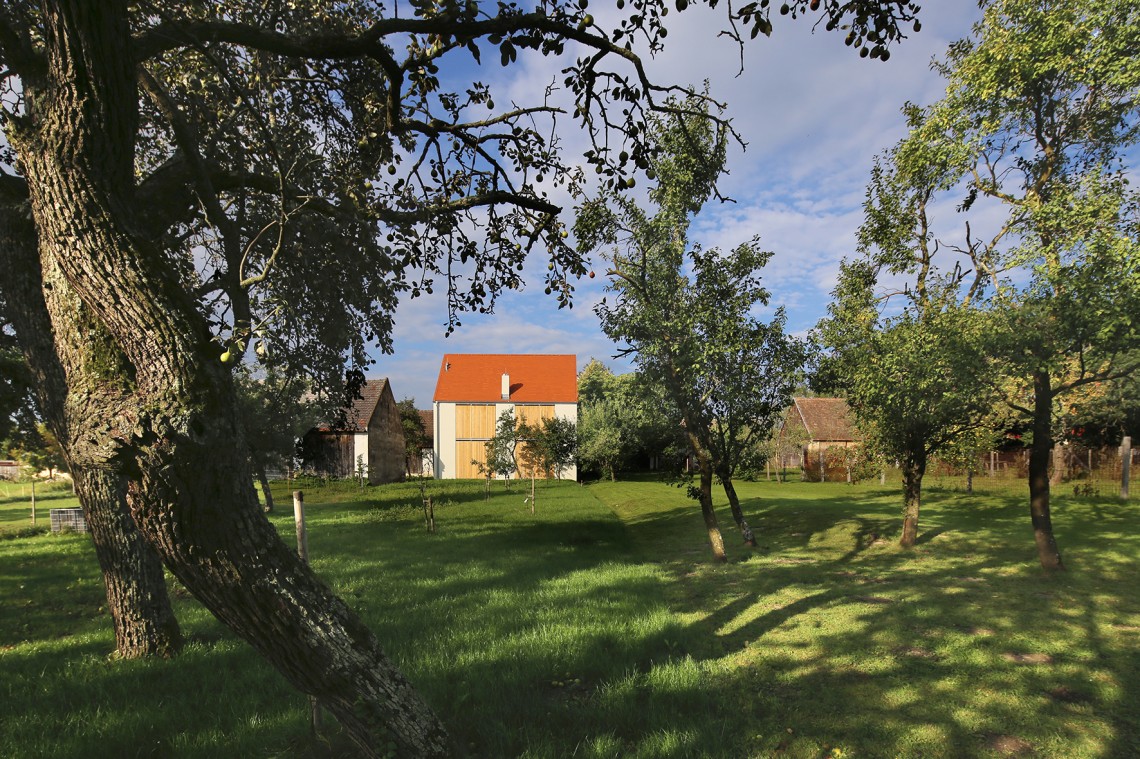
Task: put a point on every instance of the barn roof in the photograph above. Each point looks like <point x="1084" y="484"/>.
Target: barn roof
<point x="362" y="408"/>
<point x="534" y="378"/>
<point x="827" y="419"/>
<point x="428" y="418"/>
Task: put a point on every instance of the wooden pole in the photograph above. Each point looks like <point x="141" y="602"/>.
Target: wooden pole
<point x="303" y="552"/>
<point x="33" y="500"/>
<point x="1125" y="465"/>
<point x="299" y="521"/>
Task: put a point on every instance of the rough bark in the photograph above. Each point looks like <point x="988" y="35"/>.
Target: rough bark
<point x="913" y="469"/>
<point x="737" y="512"/>
<point x="1040" y="452"/>
<point x="65" y="366"/>
<point x="145" y="624"/>
<point x="192" y="493"/>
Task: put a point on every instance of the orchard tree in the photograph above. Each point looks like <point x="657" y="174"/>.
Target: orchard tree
<point x="503" y="448"/>
<point x="904" y="340"/>
<point x="1041" y="109"/>
<point x="622" y="420"/>
<point x="275" y="411"/>
<point x="203" y="177"/>
<point x="727" y="373"/>
<point x="416" y="436"/>
<point x="916" y="382"/>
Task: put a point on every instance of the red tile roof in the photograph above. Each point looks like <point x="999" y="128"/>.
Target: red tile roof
<point x="827" y="419"/>
<point x="477" y="378"/>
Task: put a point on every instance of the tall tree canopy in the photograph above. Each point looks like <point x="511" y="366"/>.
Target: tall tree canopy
<point x="202" y="176"/>
<point x="1041" y="110"/>
<point x="904" y="339"/>
<point x="728" y="374"/>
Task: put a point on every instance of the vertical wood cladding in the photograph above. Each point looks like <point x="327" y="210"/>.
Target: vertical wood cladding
<point x="474" y="422"/>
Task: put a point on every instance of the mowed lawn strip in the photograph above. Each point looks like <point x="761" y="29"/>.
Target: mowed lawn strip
<point x="836" y="638"/>
<point x="600" y="627"/>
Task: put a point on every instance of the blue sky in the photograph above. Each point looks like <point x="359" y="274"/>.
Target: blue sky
<point x="813" y="114"/>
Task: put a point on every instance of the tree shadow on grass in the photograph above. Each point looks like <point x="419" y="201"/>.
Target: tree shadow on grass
<point x="556" y="635"/>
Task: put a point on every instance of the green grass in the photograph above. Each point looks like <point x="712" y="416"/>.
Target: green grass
<point x="599" y="627"/>
<point x="16" y="505"/>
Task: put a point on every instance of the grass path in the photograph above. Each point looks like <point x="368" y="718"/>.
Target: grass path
<point x="599" y="627"/>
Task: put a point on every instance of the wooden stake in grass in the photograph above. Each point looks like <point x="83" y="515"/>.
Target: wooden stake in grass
<point x="1125" y="465"/>
<point x="303" y="552"/>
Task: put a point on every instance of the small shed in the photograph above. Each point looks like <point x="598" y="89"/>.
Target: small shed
<point x="372" y="439"/>
<point x="828" y="433"/>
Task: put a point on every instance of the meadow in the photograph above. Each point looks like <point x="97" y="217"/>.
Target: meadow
<point x="600" y="627"/>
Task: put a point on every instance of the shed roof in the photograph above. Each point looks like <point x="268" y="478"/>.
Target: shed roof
<point x="362" y="408"/>
<point x="534" y="378"/>
<point x="827" y="419"/>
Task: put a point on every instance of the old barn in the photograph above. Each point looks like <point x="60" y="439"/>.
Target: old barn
<point x="372" y="439"/>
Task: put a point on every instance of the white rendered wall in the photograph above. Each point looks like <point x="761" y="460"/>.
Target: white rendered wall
<point x="444" y="440"/>
<point x="360" y="448"/>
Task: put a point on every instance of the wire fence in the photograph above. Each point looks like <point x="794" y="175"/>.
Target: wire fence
<point x="1074" y="469"/>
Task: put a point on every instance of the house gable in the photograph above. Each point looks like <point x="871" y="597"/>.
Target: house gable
<point x="473" y="389"/>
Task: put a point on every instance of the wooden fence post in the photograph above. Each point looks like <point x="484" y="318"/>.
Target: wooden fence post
<point x="303" y="552"/>
<point x="1125" y="465"/>
<point x="299" y="521"/>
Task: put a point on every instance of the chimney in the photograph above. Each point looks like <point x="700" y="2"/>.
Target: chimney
<point x="506" y="387"/>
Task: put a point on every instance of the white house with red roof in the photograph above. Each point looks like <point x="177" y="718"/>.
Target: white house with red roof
<point x="474" y="388"/>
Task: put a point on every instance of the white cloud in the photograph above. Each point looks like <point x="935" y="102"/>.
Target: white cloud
<point x="814" y="116"/>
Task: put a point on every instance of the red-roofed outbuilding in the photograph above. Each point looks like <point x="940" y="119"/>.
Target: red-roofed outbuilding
<point x="474" y="388"/>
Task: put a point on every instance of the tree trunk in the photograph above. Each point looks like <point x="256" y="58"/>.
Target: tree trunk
<point x="913" y="469"/>
<point x="716" y="540"/>
<point x="1039" y="454"/>
<point x="145" y="624"/>
<point x="266" y="493"/>
<point x="1058" y="475"/>
<point x="192" y="492"/>
<point x="137" y="597"/>
<point x="737" y="512"/>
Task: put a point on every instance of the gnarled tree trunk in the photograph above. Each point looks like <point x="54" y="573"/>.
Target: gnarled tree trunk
<point x="192" y="492"/>
<point x="133" y="578"/>
<point x="1040" y="452"/>
<point x="913" y="469"/>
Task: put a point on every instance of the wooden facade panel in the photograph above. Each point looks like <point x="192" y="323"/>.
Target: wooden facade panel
<point x="524" y="470"/>
<point x="533" y="415"/>
<point x="474" y="422"/>
<point x="465" y="452"/>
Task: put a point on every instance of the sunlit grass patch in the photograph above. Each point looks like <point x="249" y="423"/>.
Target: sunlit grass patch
<point x="599" y="626"/>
